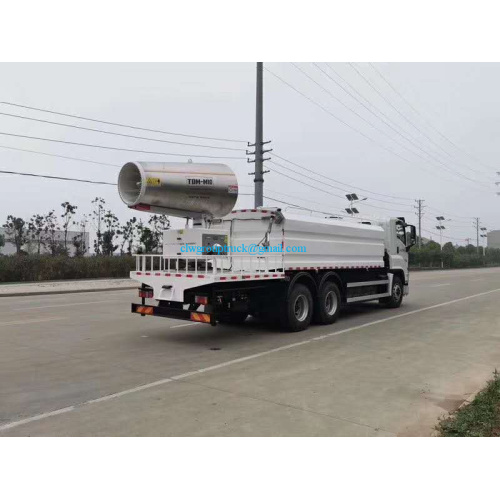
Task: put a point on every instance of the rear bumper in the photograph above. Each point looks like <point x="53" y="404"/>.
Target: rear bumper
<point x="173" y="312"/>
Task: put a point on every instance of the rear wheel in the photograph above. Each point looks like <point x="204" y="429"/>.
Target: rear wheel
<point x="298" y="309"/>
<point x="396" y="297"/>
<point x="327" y="309"/>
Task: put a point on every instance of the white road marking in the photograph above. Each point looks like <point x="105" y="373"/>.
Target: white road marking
<point x="286" y="347"/>
<point x="27" y="321"/>
<point x="67" y="305"/>
<point x="56" y="296"/>
<point x="439" y="284"/>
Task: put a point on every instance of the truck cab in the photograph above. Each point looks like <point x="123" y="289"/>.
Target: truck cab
<point x="399" y="238"/>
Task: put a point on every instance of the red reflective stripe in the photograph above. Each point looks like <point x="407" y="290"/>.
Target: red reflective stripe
<point x="257" y="276"/>
<point x="234" y="277"/>
<point x="148" y="274"/>
<point x="157" y="274"/>
<point x="201" y="275"/>
<point x="223" y="278"/>
<point x="246" y="276"/>
<point x="138" y="274"/>
<point x="178" y="275"/>
<point x="189" y="275"/>
<point x="167" y="274"/>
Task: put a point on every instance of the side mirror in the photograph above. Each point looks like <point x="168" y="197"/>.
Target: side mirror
<point x="411" y="236"/>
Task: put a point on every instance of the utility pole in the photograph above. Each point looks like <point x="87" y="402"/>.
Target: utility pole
<point x="259" y="131"/>
<point x="259" y="141"/>
<point x="476" y="223"/>
<point x="420" y="213"/>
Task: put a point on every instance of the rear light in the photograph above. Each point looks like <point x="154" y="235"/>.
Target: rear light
<point x="146" y="294"/>
<point x="201" y="299"/>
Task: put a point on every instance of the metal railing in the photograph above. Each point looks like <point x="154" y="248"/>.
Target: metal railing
<point x="209" y="264"/>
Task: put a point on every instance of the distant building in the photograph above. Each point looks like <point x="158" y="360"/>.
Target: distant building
<point x="31" y="246"/>
<point x="493" y="238"/>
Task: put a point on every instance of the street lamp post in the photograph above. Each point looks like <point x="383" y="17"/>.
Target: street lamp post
<point x="353" y="198"/>
<point x="484" y="235"/>
<point x="440" y="219"/>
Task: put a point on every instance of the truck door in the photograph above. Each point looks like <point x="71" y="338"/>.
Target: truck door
<point x="399" y="255"/>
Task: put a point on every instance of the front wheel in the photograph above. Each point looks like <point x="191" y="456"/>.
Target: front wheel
<point x="394" y="301"/>
<point x="298" y="309"/>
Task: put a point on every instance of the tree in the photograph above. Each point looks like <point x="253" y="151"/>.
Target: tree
<point x="36" y="228"/>
<point x="158" y="223"/>
<point x="146" y="239"/>
<point x="2" y="241"/>
<point x="51" y="230"/>
<point x="98" y="208"/>
<point x="111" y="225"/>
<point x="448" y="247"/>
<point x="127" y="232"/>
<point x="17" y="231"/>
<point x="150" y="237"/>
<point x="79" y="240"/>
<point x="69" y="211"/>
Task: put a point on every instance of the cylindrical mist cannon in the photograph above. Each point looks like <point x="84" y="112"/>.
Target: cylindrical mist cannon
<point x="194" y="190"/>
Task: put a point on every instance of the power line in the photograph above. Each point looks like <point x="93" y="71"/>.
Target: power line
<point x="413" y="143"/>
<point x="334" y="116"/>
<point x="118" y="133"/>
<point x="120" y="149"/>
<point x="348" y="125"/>
<point x="412" y="139"/>
<point x="335" y="187"/>
<point x="59" y="156"/>
<point x="372" y="85"/>
<point x="298" y="206"/>
<point x="72" y="179"/>
<point x="302" y="182"/>
<point x="424" y="119"/>
<point x="442" y="212"/>
<point x="116" y="124"/>
<point x="57" y="177"/>
<point x="339" y="182"/>
<point x="323" y="190"/>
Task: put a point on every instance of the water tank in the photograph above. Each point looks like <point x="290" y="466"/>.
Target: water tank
<point x="179" y="189"/>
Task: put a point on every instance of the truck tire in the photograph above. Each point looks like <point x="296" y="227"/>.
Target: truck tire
<point x="394" y="301"/>
<point x="327" y="308"/>
<point x="298" y="309"/>
<point x="233" y="318"/>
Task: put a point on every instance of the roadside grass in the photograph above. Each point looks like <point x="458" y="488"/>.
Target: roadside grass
<point x="480" y="418"/>
<point x="18" y="268"/>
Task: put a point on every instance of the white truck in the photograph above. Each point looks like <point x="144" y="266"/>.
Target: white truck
<point x="265" y="262"/>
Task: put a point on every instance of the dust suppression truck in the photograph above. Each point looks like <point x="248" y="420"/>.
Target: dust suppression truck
<point x="227" y="264"/>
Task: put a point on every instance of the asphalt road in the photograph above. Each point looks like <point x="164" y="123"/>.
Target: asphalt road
<point x="81" y="364"/>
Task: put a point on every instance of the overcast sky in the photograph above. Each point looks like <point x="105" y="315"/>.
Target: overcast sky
<point x="218" y="100"/>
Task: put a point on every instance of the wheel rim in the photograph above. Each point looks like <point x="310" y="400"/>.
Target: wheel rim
<point x="331" y="303"/>
<point x="397" y="292"/>
<point x="301" y="308"/>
